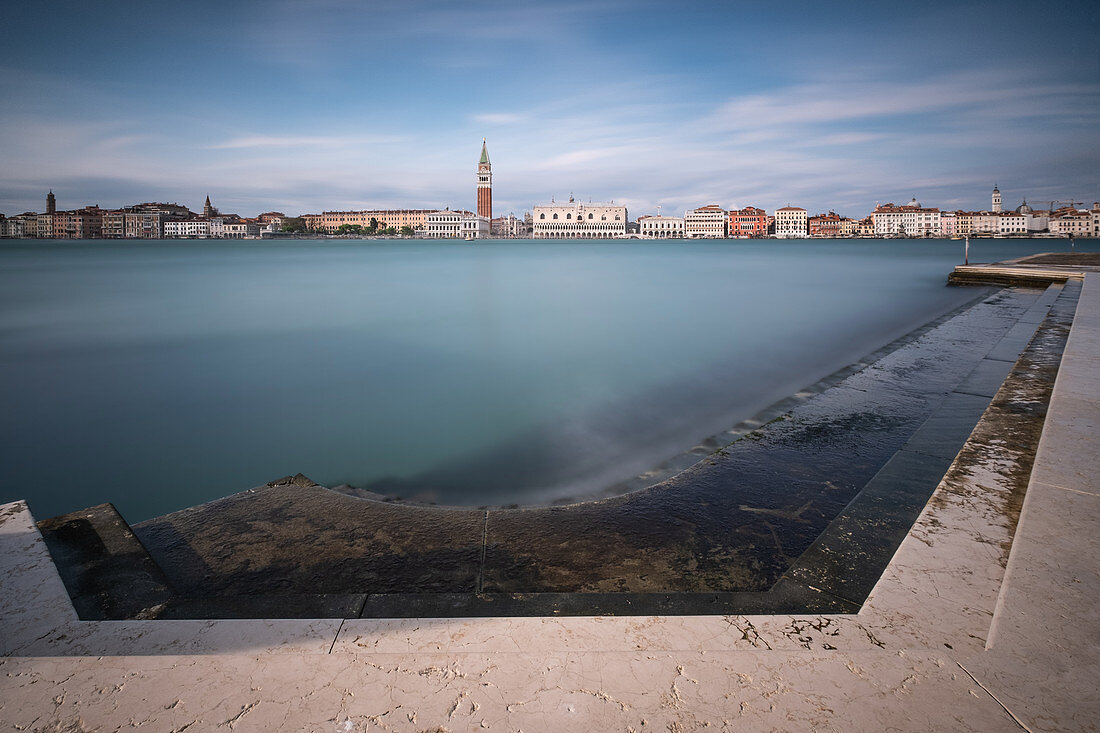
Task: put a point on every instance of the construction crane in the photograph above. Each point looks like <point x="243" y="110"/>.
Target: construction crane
<point x="1064" y="203"/>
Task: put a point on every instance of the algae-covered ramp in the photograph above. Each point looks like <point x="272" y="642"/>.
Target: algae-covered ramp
<point x="801" y="514"/>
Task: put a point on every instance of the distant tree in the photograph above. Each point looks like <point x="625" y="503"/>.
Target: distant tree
<point x="294" y="224"/>
<point x="373" y="224"/>
<point x="407" y="231"/>
<point x="350" y="229"/>
<point x="389" y="231"/>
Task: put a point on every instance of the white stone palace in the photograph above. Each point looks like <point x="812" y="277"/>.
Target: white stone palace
<point x="575" y="220"/>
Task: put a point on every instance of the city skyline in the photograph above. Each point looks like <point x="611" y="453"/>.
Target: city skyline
<point x="338" y="105"/>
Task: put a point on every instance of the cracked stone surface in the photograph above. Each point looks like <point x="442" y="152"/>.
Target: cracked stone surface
<point x="985" y="620"/>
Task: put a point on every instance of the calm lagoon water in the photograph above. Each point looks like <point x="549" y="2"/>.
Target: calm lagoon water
<point x="157" y="376"/>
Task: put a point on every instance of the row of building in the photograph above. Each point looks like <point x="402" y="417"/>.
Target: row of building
<point x="887" y="220"/>
<point x="570" y="220"/>
<point x="140" y="221"/>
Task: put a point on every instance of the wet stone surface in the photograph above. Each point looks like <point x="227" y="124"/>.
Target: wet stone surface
<point x="800" y="514"/>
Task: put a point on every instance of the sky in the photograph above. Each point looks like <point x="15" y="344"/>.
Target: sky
<point x="335" y="104"/>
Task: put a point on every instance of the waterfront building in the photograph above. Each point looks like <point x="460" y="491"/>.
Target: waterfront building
<point x="579" y="221"/>
<point x="996" y="202"/>
<point x="847" y="227"/>
<point x="237" y="228"/>
<point x="509" y="227"/>
<point x="445" y="224"/>
<point x="1012" y="224"/>
<point x="330" y="221"/>
<point x="707" y="222"/>
<point x="948" y="224"/>
<point x="484" y="184"/>
<point x="86" y="223"/>
<point x="824" y="225"/>
<point x="114" y="224"/>
<point x="44" y="225"/>
<point x="748" y="222"/>
<point x="270" y="221"/>
<point x="1095" y="214"/>
<point x="661" y="227"/>
<point x="190" y="227"/>
<point x="790" y="221"/>
<point x="909" y="220"/>
<point x="143" y="223"/>
<point x="984" y="222"/>
<point x="1070" y="222"/>
<point x="21" y="226"/>
<point x="865" y="227"/>
<point x="475" y="226"/>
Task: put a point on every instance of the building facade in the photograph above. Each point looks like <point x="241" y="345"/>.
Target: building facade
<point x="748" y="222"/>
<point x="790" y="221"/>
<point x="509" y="227"/>
<point x="194" y="227"/>
<point x="1070" y="223"/>
<point x="706" y="222"/>
<point x="330" y="221"/>
<point x="1012" y="224"/>
<point x="910" y="220"/>
<point x="444" y="224"/>
<point x="948" y="224"/>
<point x="578" y="221"/>
<point x="660" y="227"/>
<point x="475" y="226"/>
<point x="824" y="225"/>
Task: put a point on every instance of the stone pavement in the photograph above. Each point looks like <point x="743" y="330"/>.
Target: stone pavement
<point x="979" y="623"/>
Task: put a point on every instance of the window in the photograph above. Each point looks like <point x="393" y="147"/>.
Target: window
<point x="555" y="216"/>
<point x="589" y="216"/>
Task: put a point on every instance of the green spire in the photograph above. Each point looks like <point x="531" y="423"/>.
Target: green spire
<point x="484" y="153"/>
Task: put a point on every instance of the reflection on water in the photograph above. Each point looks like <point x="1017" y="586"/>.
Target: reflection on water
<point x="157" y="376"/>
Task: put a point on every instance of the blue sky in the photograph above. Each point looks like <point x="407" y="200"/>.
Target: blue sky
<point x="303" y="106"/>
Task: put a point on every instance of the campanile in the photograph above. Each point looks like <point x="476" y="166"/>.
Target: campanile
<point x="484" y="184"/>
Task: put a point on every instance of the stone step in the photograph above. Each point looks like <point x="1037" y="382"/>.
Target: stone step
<point x="105" y="568"/>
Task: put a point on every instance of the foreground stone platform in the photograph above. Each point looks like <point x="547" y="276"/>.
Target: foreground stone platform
<point x="979" y="623"/>
<point x="1031" y="270"/>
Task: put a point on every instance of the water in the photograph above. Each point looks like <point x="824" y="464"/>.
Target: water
<point x="160" y="375"/>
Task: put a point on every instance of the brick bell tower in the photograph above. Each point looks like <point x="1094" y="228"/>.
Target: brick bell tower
<point x="484" y="184"/>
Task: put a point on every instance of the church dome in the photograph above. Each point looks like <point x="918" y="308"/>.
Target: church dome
<point x="1023" y="208"/>
<point x="914" y="202"/>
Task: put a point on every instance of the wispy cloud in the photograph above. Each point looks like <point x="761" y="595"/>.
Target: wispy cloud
<point x="499" y="118"/>
<point x="303" y="141"/>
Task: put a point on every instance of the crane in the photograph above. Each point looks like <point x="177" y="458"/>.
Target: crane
<point x="1064" y="203"/>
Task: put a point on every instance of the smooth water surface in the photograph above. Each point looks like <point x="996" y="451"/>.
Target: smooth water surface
<point x="160" y="375"/>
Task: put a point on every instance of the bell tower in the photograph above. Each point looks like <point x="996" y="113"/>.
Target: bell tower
<point x="996" y="198"/>
<point x="484" y="184"/>
<point x="51" y="203"/>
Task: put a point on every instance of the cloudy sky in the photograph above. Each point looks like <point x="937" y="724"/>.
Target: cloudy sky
<point x="333" y="104"/>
